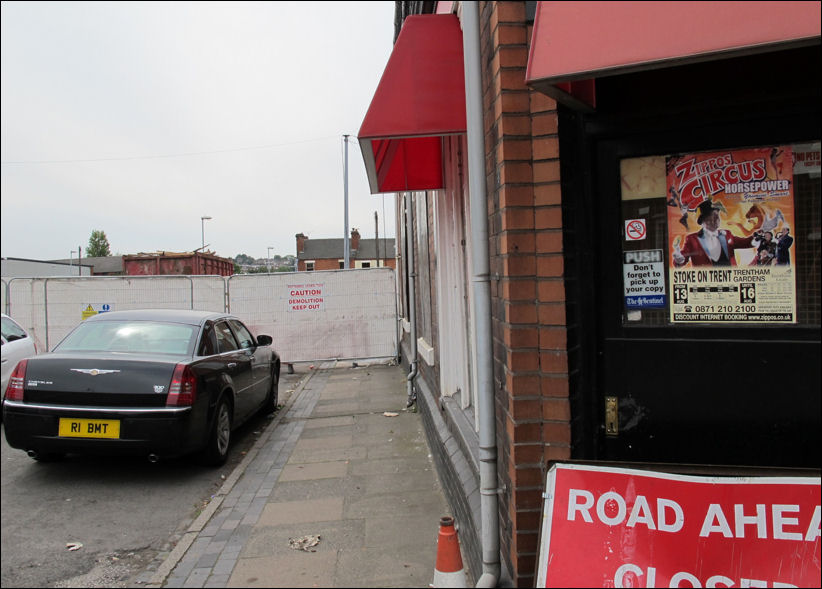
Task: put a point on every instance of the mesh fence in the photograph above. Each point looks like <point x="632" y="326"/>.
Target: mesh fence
<point x="345" y="314"/>
<point x="312" y="316"/>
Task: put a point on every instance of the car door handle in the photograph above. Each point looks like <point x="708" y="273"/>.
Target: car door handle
<point x="232" y="365"/>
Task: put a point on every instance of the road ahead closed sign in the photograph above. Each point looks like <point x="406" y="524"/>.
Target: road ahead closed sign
<point x="610" y="527"/>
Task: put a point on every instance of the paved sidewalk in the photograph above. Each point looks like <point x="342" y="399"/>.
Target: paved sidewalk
<point x="332" y="465"/>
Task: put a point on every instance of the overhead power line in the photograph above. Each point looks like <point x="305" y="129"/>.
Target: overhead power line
<point x="165" y="156"/>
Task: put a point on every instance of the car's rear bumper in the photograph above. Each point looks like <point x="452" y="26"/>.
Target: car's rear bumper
<point x="164" y="431"/>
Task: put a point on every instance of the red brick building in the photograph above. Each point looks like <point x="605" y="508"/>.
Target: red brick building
<point x="329" y="254"/>
<point x="524" y="143"/>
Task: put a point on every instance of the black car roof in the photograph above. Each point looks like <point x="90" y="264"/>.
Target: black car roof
<point x="174" y="315"/>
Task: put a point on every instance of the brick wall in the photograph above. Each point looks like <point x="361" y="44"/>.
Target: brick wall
<point x="327" y="264"/>
<point x="528" y="291"/>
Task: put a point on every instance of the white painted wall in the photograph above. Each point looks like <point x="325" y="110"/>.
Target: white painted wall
<point x="17" y="267"/>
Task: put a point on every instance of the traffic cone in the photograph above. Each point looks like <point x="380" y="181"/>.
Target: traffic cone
<point x="448" y="571"/>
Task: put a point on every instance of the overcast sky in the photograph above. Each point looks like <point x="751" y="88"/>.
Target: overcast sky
<point x="139" y="118"/>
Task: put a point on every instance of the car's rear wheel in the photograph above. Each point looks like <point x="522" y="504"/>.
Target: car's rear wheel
<point x="215" y="452"/>
<point x="270" y="405"/>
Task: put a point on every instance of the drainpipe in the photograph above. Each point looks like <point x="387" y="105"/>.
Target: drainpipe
<point x="411" y="273"/>
<point x="481" y="284"/>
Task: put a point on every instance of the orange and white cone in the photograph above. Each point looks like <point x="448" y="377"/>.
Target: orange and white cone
<point x="448" y="571"/>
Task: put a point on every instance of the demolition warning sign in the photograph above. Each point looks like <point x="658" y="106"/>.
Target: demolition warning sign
<point x="306" y="297"/>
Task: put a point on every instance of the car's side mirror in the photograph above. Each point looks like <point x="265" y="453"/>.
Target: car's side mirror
<point x="264" y="340"/>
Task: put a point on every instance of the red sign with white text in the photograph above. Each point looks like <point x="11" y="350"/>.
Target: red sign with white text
<point x="612" y="527"/>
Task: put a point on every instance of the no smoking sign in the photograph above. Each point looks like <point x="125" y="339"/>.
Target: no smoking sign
<point x="635" y="229"/>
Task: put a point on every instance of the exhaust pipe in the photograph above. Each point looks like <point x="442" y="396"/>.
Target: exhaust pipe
<point x="153" y="458"/>
<point x="32" y="454"/>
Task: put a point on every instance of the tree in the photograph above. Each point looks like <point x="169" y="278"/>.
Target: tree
<point x="98" y="245"/>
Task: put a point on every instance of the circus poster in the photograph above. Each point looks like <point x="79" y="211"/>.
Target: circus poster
<point x="731" y="244"/>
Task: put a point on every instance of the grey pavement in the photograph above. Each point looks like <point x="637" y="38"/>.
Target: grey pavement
<point x="330" y="465"/>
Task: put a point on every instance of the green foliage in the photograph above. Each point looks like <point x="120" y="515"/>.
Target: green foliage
<point x="98" y="246"/>
<point x="245" y="264"/>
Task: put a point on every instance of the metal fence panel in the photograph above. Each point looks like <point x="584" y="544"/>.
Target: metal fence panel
<point x="209" y="293"/>
<point x="334" y="314"/>
<point x="312" y="316"/>
<point x="51" y="307"/>
<point x="26" y="305"/>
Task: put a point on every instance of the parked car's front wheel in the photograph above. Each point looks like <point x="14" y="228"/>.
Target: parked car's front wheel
<point x="215" y="452"/>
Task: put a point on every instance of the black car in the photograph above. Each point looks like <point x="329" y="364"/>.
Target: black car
<point x="161" y="383"/>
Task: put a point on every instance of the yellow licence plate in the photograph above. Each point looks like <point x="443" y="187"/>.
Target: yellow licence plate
<point x="89" y="428"/>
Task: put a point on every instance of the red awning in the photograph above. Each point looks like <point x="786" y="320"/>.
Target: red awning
<point x="574" y="42"/>
<point x="420" y="99"/>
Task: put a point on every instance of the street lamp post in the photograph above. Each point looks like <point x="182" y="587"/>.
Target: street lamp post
<point x="268" y="259"/>
<point x="202" y="230"/>
<point x="346" y="246"/>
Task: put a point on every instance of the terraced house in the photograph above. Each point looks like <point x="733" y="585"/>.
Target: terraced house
<point x="566" y="175"/>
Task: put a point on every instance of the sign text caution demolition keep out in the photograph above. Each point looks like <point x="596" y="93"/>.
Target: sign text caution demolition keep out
<point x="611" y="527"/>
<point x="305" y="297"/>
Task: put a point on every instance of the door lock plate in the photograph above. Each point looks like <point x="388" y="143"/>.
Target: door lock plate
<point x="611" y="416"/>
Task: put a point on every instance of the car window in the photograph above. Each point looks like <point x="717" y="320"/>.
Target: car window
<point x="143" y="337"/>
<point x="243" y="335"/>
<point x="12" y="331"/>
<point x="208" y="343"/>
<point x="225" y="339"/>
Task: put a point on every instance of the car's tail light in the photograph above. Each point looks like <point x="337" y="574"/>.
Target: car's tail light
<point x="183" y="389"/>
<point x="14" y="390"/>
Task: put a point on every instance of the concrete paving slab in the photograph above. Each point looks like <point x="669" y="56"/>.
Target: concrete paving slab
<point x="388" y="567"/>
<point x="294" y="570"/>
<point x="336" y="408"/>
<point x="323" y="442"/>
<point x="399" y="483"/>
<point x="322" y="432"/>
<point x="334" y="535"/>
<point x="390" y="465"/>
<point x="419" y="533"/>
<point x="339" y="393"/>
<point x="315" y="470"/>
<point x="328" y="455"/>
<point x="417" y="504"/>
<point x="311" y="489"/>
<point x="396" y="450"/>
<point x="290" y="512"/>
<point x="322" y="422"/>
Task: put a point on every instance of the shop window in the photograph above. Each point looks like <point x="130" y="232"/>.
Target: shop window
<point x="722" y="237"/>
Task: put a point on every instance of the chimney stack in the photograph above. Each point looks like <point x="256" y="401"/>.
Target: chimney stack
<point x="355" y="239"/>
<point x="301" y="243"/>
